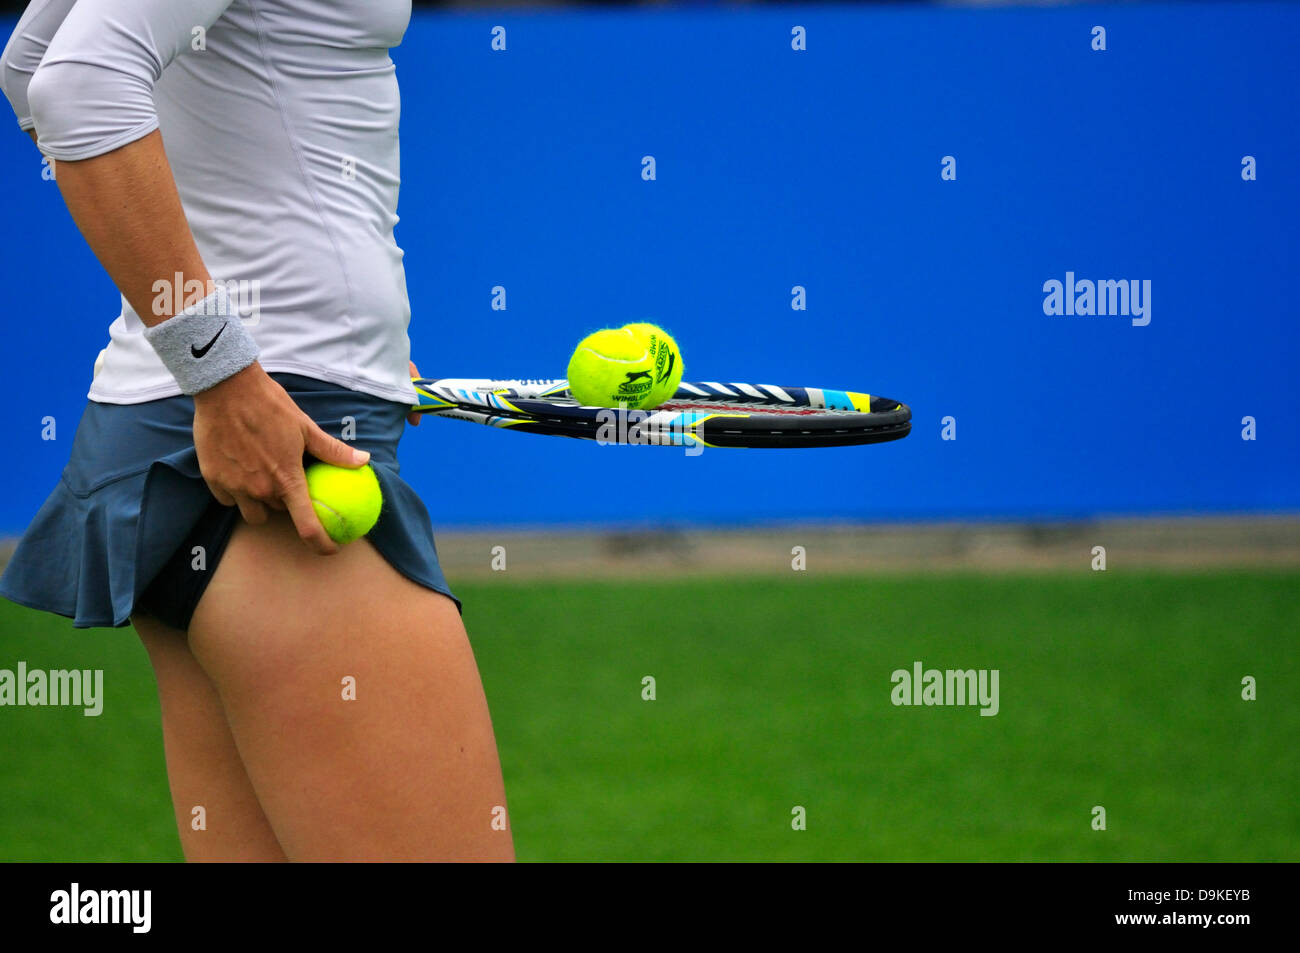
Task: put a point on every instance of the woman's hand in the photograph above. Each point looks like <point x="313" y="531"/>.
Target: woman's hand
<point x="413" y="419"/>
<point x="250" y="437"/>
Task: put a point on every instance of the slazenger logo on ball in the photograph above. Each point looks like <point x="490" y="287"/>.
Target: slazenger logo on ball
<point x="636" y="384"/>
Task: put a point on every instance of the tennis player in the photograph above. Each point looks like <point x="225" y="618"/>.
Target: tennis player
<point x="318" y="702"/>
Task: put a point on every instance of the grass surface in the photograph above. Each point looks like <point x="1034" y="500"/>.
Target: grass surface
<point x="1116" y="690"/>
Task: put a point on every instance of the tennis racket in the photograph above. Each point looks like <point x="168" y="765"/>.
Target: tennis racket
<point x="708" y="414"/>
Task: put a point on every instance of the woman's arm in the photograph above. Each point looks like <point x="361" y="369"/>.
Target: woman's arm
<point x="91" y="103"/>
<point x="126" y="205"/>
<point x="249" y="434"/>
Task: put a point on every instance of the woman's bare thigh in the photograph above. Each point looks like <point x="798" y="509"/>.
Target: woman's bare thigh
<point x="354" y="700"/>
<point x="217" y="812"/>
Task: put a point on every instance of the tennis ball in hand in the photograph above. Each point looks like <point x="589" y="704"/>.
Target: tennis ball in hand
<point x="347" y="502"/>
<point x="666" y="358"/>
<point x="611" y="367"/>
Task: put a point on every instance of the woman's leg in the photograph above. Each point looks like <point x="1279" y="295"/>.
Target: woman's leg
<point x="355" y="701"/>
<point x="203" y="766"/>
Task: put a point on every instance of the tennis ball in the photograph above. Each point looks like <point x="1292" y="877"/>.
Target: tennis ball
<point x="667" y="360"/>
<point x="610" y="367"/>
<point x="346" y="501"/>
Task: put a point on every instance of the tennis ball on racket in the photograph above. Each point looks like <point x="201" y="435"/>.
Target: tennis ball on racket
<point x="611" y="367"/>
<point x="666" y="357"/>
<point x="347" y="502"/>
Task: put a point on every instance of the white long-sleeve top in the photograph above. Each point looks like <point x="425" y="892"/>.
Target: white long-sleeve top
<point x="279" y="118"/>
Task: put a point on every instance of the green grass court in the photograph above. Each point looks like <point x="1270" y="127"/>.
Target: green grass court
<point x="1116" y="689"/>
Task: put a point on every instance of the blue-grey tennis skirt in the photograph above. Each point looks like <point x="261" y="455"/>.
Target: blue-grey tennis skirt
<point x="117" y="533"/>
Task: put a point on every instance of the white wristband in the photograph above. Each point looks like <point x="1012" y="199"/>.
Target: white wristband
<point x="204" y="344"/>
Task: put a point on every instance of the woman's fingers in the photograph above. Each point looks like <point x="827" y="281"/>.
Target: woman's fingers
<point x="296" y="499"/>
<point x="250" y="437"/>
<point x="252" y="510"/>
<point x="414" y="419"/>
<point x="328" y="449"/>
<point x="224" y="498"/>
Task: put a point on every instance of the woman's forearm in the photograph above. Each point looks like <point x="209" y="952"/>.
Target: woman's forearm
<point x="126" y="205"/>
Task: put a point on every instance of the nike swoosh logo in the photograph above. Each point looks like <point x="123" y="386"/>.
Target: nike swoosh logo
<point x="198" y="352"/>
<point x="668" y="368"/>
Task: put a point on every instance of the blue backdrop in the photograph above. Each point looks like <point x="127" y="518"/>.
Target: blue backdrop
<point x="819" y="168"/>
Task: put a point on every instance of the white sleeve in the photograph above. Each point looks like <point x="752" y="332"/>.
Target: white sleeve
<point x="93" y="91"/>
<point x="25" y="50"/>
